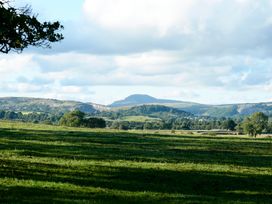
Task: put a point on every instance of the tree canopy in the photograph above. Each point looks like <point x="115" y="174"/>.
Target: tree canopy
<point x="77" y="118"/>
<point x="255" y="124"/>
<point x="19" y="28"/>
<point x="73" y="119"/>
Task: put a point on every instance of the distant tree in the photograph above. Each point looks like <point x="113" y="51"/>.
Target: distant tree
<point x="148" y="126"/>
<point x="255" y="124"/>
<point x="19" y="28"/>
<point x="73" y="119"/>
<point x="77" y="118"/>
<point x="229" y="124"/>
<point x="269" y="127"/>
<point x="124" y="125"/>
<point x="94" y="123"/>
<point x="239" y="129"/>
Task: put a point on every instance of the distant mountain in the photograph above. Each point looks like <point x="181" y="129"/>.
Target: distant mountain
<point x="141" y="99"/>
<point x="228" y="110"/>
<point x="135" y="104"/>
<point x="23" y="104"/>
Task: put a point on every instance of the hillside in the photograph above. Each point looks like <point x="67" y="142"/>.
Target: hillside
<point x="153" y="111"/>
<point x="135" y="104"/>
<point x="228" y="110"/>
<point x="22" y="104"/>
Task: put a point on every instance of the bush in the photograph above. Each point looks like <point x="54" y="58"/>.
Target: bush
<point x="72" y="119"/>
<point x="95" y="123"/>
<point x="77" y="119"/>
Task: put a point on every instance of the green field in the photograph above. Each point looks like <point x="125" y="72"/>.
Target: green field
<point x="140" y="119"/>
<point x="47" y="164"/>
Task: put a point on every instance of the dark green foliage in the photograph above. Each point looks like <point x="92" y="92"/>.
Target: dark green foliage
<point x="158" y="125"/>
<point x="95" y="122"/>
<point x="229" y="125"/>
<point x="177" y="123"/>
<point x="269" y="127"/>
<point x="153" y="111"/>
<point x="158" y="111"/>
<point x="31" y="117"/>
<point x="20" y="29"/>
<point x="124" y="125"/>
<point x="78" y="119"/>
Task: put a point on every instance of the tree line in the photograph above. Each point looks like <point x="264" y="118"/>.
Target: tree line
<point x="73" y="119"/>
<point x="253" y="125"/>
<point x="31" y="117"/>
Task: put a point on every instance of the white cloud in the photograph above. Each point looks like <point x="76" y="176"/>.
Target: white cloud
<point x="141" y="14"/>
<point x="187" y="16"/>
<point x="207" y="51"/>
<point x="17" y="64"/>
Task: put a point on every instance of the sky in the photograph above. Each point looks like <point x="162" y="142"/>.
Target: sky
<point x="206" y="51"/>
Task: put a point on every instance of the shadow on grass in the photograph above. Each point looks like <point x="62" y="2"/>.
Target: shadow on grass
<point x="170" y="185"/>
<point x="106" y="184"/>
<point x="137" y="147"/>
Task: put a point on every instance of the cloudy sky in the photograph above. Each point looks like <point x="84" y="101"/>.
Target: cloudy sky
<point x="208" y="51"/>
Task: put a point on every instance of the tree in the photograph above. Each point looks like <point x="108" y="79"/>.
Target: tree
<point x="269" y="127"/>
<point x="19" y="28"/>
<point x="94" y="122"/>
<point x="77" y="118"/>
<point x="73" y="119"/>
<point x="239" y="129"/>
<point x="229" y="125"/>
<point x="255" y="124"/>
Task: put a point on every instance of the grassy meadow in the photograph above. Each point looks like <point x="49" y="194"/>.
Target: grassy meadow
<point x="50" y="164"/>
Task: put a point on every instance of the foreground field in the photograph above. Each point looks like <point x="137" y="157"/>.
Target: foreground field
<point x="46" y="164"/>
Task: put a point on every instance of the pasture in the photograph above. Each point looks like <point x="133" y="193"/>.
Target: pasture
<point x="51" y="164"/>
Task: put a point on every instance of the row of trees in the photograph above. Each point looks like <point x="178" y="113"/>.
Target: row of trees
<point x="176" y="124"/>
<point x="31" y="117"/>
<point x="72" y="119"/>
<point x="256" y="124"/>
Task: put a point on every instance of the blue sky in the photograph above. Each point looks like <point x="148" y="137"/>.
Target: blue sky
<point x="208" y="51"/>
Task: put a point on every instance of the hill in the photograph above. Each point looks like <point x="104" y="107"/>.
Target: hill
<point x="23" y="104"/>
<point x="135" y="103"/>
<point x="153" y="111"/>
<point x="141" y="99"/>
<point x="226" y="110"/>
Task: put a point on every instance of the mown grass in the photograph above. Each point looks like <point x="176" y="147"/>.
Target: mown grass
<point x="48" y="164"/>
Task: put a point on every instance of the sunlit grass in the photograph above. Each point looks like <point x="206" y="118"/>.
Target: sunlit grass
<point x="52" y="164"/>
